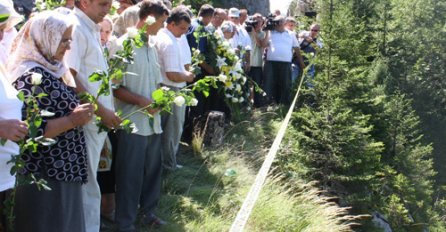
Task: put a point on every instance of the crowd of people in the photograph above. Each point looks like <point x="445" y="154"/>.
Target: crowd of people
<point x="52" y="56"/>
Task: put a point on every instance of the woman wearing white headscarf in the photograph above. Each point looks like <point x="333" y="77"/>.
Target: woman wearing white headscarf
<point x="36" y="66"/>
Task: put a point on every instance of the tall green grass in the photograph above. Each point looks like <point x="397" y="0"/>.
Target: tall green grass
<point x="206" y="194"/>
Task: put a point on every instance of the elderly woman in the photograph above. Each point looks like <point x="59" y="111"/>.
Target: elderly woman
<point x="38" y="51"/>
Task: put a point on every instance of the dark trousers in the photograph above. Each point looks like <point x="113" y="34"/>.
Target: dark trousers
<point x="4" y="196"/>
<point x="277" y="81"/>
<point x="256" y="73"/>
<point x="106" y="179"/>
<point x="194" y="114"/>
<point x="138" y="177"/>
<point x="59" y="209"/>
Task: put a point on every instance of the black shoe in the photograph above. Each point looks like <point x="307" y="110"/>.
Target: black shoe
<point x="153" y="221"/>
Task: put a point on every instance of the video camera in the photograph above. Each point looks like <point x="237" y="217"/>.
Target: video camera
<point x="271" y="23"/>
<point x="250" y="23"/>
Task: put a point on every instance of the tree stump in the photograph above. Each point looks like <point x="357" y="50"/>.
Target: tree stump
<point x="214" y="128"/>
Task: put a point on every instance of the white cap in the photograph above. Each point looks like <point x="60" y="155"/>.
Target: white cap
<point x="234" y="12"/>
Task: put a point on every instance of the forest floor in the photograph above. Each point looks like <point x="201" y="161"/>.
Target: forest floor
<point x="206" y="194"/>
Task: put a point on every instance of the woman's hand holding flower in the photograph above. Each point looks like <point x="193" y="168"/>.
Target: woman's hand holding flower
<point x="82" y="114"/>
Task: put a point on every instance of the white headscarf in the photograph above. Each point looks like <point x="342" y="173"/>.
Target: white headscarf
<point x="37" y="43"/>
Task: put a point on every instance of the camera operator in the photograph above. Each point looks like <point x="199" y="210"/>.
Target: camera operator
<point x="309" y="44"/>
<point x="259" y="41"/>
<point x="281" y="45"/>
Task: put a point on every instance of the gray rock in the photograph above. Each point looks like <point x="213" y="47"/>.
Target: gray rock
<point x="380" y="221"/>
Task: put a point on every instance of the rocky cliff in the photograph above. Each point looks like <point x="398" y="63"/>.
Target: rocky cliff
<point x="253" y="6"/>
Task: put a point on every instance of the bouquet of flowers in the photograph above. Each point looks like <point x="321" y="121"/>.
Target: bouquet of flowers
<point x="232" y="82"/>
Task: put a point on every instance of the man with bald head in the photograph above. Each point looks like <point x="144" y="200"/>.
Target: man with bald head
<point x="219" y="16"/>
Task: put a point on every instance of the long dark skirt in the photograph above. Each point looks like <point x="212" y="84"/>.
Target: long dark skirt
<point x="57" y="210"/>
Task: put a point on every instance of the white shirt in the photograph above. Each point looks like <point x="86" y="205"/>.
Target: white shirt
<point x="5" y="45"/>
<point x="10" y="108"/>
<point x="146" y="81"/>
<point x="86" y="56"/>
<point x="185" y="50"/>
<point x="280" y="47"/>
<point x="242" y="39"/>
<point x="169" y="54"/>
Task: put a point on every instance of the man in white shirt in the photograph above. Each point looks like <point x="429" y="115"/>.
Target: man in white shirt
<point x="175" y="77"/>
<point x="138" y="158"/>
<point x="84" y="58"/>
<point x="241" y="37"/>
<point x="278" y="62"/>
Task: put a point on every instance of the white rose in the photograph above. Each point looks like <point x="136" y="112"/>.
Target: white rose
<point x="132" y="32"/>
<point x="36" y="78"/>
<point x="226" y="44"/>
<point x="193" y="102"/>
<point x="234" y="100"/>
<point x="228" y="95"/>
<point x="264" y="94"/>
<point x="222" y="78"/>
<point x="115" y="5"/>
<point x="244" y="80"/>
<point x="238" y="66"/>
<point x="179" y="100"/>
<point x="197" y="52"/>
<point x="238" y="88"/>
<point x="235" y="74"/>
<point x="241" y="99"/>
<point x="150" y="20"/>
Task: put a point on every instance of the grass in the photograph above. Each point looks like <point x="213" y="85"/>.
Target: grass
<point x="206" y="194"/>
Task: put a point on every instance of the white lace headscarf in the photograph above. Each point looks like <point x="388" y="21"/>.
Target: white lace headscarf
<point x="37" y="43"/>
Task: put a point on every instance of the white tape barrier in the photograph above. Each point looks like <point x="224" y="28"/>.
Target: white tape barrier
<point x="243" y="215"/>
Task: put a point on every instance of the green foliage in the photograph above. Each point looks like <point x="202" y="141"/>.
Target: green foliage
<point x="356" y="132"/>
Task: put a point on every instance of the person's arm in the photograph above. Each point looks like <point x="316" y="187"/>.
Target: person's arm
<point x="263" y="43"/>
<point x="80" y="116"/>
<point x="207" y="68"/>
<point x="247" y="61"/>
<point x="299" y="58"/>
<point x="180" y="76"/>
<point x="108" y="117"/>
<point x="129" y="97"/>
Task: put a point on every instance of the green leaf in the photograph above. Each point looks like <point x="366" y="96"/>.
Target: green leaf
<point x="3" y="17"/>
<point x="128" y="126"/>
<point x="97" y="76"/>
<point x="21" y="96"/>
<point x="40" y="95"/>
<point x="158" y="95"/>
<point x="3" y="141"/>
<point x="102" y="127"/>
<point x="86" y="97"/>
<point x="38" y="122"/>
